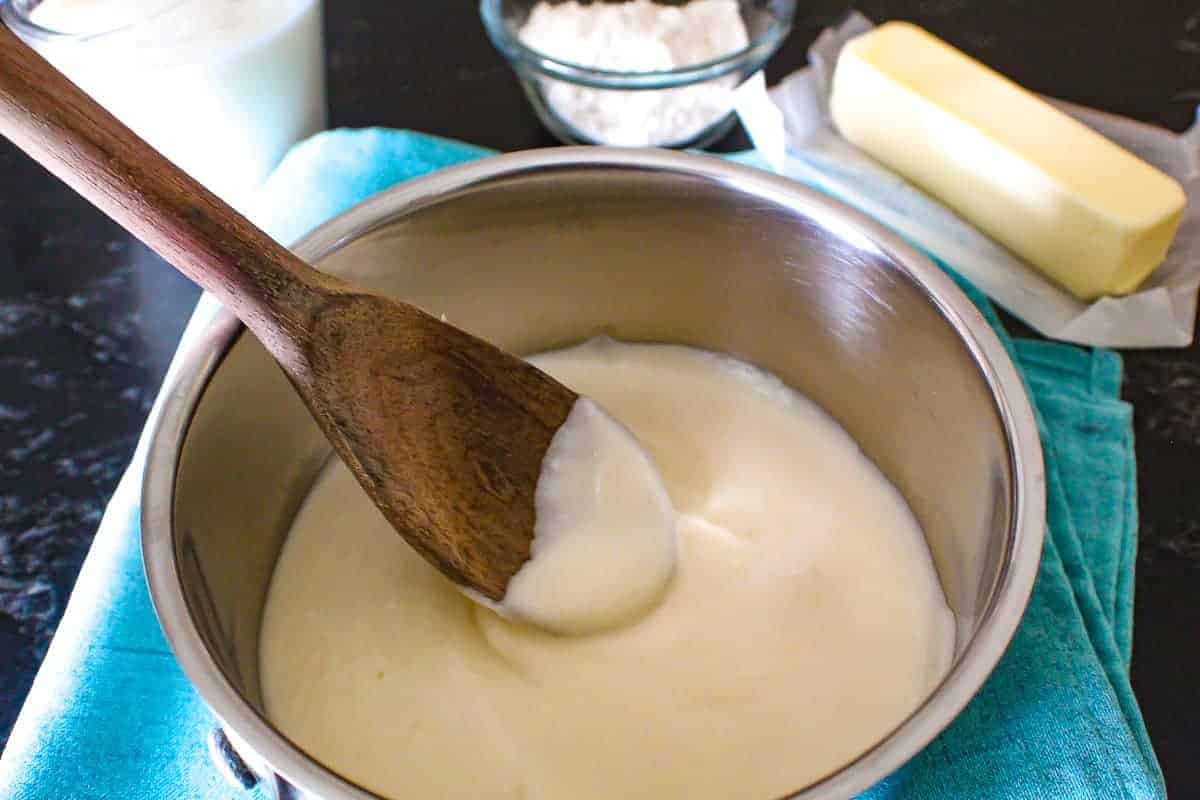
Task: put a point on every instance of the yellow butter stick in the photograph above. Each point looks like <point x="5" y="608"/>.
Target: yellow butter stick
<point x="1093" y="217"/>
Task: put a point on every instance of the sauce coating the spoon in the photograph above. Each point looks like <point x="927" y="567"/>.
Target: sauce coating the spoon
<point x="604" y="537"/>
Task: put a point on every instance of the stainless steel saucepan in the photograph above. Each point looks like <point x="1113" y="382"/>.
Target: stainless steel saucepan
<point x="541" y="249"/>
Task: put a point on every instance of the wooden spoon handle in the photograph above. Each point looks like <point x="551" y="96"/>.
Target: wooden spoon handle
<point x="62" y="128"/>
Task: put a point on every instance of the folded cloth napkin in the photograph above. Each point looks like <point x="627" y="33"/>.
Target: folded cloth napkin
<point x="111" y="715"/>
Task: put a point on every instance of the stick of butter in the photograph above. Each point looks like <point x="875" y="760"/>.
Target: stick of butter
<point x="1091" y="216"/>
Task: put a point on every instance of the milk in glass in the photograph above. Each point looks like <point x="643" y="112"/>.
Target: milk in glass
<point x="221" y="87"/>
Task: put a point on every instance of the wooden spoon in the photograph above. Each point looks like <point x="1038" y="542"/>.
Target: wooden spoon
<point x="445" y="431"/>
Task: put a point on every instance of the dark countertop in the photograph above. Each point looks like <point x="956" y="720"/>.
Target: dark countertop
<point x="89" y="318"/>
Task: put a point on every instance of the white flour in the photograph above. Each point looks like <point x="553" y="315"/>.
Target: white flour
<point x="638" y="36"/>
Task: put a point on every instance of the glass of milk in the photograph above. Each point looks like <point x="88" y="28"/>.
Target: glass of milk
<point x="221" y="87"/>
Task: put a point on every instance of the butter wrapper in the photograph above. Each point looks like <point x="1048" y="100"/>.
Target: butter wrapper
<point x="792" y="131"/>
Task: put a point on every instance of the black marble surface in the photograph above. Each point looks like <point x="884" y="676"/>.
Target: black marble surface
<point x="89" y="318"/>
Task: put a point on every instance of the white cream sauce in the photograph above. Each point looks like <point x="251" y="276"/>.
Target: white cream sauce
<point x="803" y="619"/>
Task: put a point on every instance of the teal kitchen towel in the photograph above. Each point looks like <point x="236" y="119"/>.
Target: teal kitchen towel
<point x="111" y="715"/>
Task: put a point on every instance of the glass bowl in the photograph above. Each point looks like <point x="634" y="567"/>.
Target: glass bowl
<point x="690" y="106"/>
